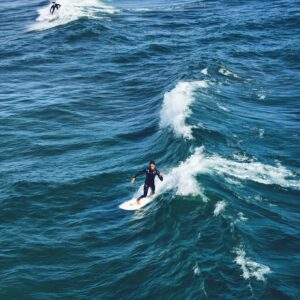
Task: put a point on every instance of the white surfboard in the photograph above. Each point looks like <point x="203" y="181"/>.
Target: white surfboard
<point x="132" y="204"/>
<point x="53" y="17"/>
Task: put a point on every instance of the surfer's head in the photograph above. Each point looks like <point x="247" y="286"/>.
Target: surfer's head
<point x="152" y="165"/>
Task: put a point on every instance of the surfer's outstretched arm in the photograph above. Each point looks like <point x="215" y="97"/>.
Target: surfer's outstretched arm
<point x="138" y="174"/>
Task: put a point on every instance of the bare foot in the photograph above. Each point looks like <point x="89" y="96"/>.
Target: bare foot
<point x="138" y="201"/>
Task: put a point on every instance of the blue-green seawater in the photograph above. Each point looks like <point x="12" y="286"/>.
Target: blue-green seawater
<point x="209" y="90"/>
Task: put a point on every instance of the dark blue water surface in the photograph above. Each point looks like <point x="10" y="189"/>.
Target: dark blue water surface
<point x="208" y="89"/>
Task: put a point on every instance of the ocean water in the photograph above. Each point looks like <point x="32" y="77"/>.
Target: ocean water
<point x="209" y="90"/>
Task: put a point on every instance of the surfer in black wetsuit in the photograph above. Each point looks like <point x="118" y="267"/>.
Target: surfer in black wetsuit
<point x="54" y="6"/>
<point x="150" y="172"/>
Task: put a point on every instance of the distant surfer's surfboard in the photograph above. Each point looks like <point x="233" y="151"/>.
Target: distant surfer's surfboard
<point x="53" y="17"/>
<point x="132" y="204"/>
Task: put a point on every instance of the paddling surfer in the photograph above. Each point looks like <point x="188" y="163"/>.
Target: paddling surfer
<point x="150" y="172"/>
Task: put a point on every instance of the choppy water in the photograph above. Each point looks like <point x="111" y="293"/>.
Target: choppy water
<point x="208" y="89"/>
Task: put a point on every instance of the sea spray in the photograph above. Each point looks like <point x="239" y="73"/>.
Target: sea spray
<point x="176" y="107"/>
<point x="220" y="206"/>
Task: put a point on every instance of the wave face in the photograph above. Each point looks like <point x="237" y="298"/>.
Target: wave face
<point x="209" y="90"/>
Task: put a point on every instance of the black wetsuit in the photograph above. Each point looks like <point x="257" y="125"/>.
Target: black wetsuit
<point x="53" y="7"/>
<point x="149" y="181"/>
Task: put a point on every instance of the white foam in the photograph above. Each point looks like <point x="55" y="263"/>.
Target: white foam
<point x="176" y="107"/>
<point x="255" y="171"/>
<point x="241" y="157"/>
<point x="204" y="71"/>
<point x="223" y="107"/>
<point x="220" y="206"/>
<point x="242" y="217"/>
<point x="233" y="181"/>
<point x="203" y="288"/>
<point x="261" y="133"/>
<point x="227" y="73"/>
<point x="249" y="267"/>
<point x="196" y="269"/>
<point x="70" y="11"/>
<point x="156" y="8"/>
<point x="261" y="95"/>
<point x="258" y="198"/>
<point x="182" y="178"/>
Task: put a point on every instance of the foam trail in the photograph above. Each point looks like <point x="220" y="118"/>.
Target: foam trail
<point x="176" y="107"/>
<point x="249" y="267"/>
<point x="70" y="11"/>
<point x="182" y="179"/>
<point x="220" y="206"/>
<point x="254" y="171"/>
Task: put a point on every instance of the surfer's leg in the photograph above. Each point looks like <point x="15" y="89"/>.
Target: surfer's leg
<point x="152" y="190"/>
<point x="146" y="188"/>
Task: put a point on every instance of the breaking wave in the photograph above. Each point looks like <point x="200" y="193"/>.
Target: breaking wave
<point x="69" y="12"/>
<point x="176" y="107"/>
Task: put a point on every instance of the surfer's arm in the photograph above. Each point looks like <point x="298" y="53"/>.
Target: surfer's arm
<point x="138" y="174"/>
<point x="160" y="176"/>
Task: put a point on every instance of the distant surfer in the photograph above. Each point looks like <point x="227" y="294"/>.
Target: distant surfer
<point x="150" y="172"/>
<point x="54" y="6"/>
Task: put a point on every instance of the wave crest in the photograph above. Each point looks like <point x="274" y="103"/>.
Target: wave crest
<point x="176" y="107"/>
<point x="70" y="11"/>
